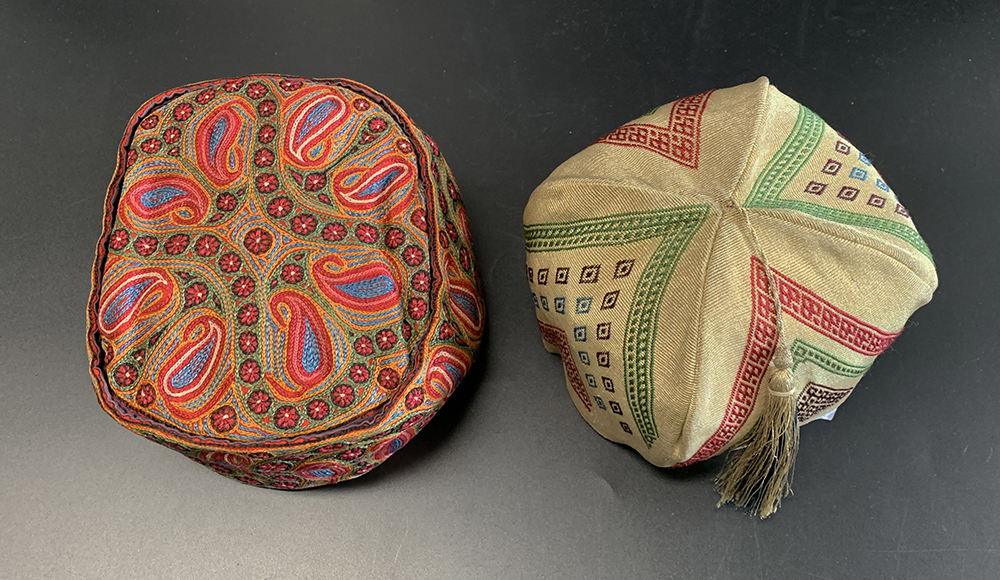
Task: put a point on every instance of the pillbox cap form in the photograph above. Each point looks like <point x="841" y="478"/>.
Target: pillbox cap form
<point x="285" y="289"/>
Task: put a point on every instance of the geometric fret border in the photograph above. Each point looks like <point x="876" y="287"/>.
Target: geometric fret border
<point x="679" y="140"/>
<point x="856" y="335"/>
<point x="557" y="338"/>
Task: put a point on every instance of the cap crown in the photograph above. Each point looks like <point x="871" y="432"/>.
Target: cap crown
<point x="286" y="266"/>
<point x="646" y="279"/>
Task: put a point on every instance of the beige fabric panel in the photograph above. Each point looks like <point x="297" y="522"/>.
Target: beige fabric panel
<point x="679" y="353"/>
<point x="727" y="124"/>
<point x="725" y="323"/>
<point x="836" y="177"/>
<point x="826" y="285"/>
<point x="866" y="282"/>
<point x="598" y="329"/>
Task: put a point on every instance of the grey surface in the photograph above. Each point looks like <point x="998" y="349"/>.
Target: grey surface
<point x="508" y="481"/>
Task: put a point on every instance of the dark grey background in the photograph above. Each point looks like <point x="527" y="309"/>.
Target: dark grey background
<point x="508" y="481"/>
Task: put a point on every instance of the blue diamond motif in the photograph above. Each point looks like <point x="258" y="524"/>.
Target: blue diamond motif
<point x="859" y="174"/>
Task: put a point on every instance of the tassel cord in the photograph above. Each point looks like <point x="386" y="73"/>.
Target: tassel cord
<point x="758" y="472"/>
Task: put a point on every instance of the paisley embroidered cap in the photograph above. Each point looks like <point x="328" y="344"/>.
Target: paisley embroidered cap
<point x="285" y="289"/>
<point x="717" y="272"/>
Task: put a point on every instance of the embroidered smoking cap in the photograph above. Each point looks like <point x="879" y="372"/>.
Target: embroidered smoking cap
<point x="655" y="257"/>
<point x="285" y="289"/>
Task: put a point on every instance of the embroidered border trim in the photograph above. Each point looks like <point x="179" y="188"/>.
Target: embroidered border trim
<point x="623" y="228"/>
<point x="810" y="309"/>
<point x="679" y="141"/>
<point x="816" y="398"/>
<point x="642" y="325"/>
<point x="761" y="342"/>
<point x="557" y="338"/>
<point x="676" y="226"/>
<point x="786" y="164"/>
<point x="803" y="352"/>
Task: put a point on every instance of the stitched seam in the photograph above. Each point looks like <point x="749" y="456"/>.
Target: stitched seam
<point x="638" y="186"/>
<point x="761" y="122"/>
<point x="700" y="337"/>
<point x="769" y="213"/>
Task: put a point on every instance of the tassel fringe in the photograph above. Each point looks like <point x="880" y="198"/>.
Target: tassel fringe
<point x="758" y="474"/>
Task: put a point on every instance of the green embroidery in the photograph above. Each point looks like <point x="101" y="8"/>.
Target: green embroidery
<point x="802" y="352"/>
<point x="612" y="230"/>
<point x="676" y="227"/>
<point x="798" y="148"/>
<point x="786" y="164"/>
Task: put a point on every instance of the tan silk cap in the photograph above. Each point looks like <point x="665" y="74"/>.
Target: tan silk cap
<point x="649" y="256"/>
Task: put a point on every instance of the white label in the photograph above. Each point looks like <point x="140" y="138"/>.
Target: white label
<point x="828" y="416"/>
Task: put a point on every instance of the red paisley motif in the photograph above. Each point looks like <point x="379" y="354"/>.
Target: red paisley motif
<point x="140" y="295"/>
<point x="308" y="351"/>
<point x="363" y="189"/>
<point x="187" y="375"/>
<point x="313" y="117"/>
<point x="464" y="299"/>
<point x="448" y="366"/>
<point x="221" y="142"/>
<point x="169" y="195"/>
<point x="367" y="288"/>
